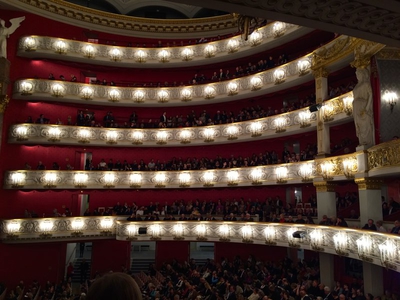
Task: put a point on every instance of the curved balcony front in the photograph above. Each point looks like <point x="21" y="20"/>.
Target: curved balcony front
<point x="373" y="247"/>
<point x="337" y="168"/>
<point x="337" y="54"/>
<point x="335" y="111"/>
<point x="267" y="37"/>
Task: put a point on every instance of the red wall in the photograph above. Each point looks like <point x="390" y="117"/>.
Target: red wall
<point x="166" y="251"/>
<point x="43" y="202"/>
<point x="110" y="255"/>
<point x="28" y="262"/>
<point x="19" y="155"/>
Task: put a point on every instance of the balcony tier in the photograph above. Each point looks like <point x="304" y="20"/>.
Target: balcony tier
<point x="373" y="247"/>
<point x="267" y="37"/>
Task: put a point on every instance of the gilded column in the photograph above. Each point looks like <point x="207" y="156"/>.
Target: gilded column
<point x="321" y="94"/>
<point x="369" y="194"/>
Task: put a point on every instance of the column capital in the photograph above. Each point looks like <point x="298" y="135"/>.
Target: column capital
<point x="324" y="186"/>
<point x="320" y="72"/>
<point x="368" y="183"/>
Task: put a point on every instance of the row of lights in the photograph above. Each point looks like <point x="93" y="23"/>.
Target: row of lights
<point x="185" y="136"/>
<point x="46" y="227"/>
<point x="365" y="245"/>
<point x="50" y="179"/>
<point x="329" y="167"/>
<point x="163" y="95"/>
<point x="327" y="170"/>
<point x="141" y="55"/>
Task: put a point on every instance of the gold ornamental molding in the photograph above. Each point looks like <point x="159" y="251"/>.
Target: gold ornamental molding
<point x="323" y="186"/>
<point x="389" y="53"/>
<point x="332" y="52"/>
<point x="127" y="25"/>
<point x="384" y="155"/>
<point x="363" y="52"/>
<point x="368" y="183"/>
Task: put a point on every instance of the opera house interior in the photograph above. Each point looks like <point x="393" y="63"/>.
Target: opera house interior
<point x="156" y="131"/>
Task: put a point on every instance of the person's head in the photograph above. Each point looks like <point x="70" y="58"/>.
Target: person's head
<point x="114" y="286"/>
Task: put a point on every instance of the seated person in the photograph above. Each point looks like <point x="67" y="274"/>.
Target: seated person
<point x="117" y="286"/>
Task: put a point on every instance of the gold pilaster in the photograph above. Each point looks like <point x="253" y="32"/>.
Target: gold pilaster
<point x="324" y="186"/>
<point x="368" y="183"/>
<point x="319" y="73"/>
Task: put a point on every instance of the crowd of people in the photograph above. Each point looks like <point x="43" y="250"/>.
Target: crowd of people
<point x="239" y="278"/>
<point x="272" y="209"/>
<point x="191" y="119"/>
<point x="190" y="163"/>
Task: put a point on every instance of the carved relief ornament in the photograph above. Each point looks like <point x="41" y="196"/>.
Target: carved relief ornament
<point x="363" y="51"/>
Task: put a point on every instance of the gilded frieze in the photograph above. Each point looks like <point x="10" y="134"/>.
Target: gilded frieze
<point x="384" y="155"/>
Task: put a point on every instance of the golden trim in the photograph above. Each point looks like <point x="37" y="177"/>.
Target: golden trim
<point x="388" y="53"/>
<point x="363" y="52"/>
<point x="324" y="186"/>
<point x="384" y="155"/>
<point x="318" y="74"/>
<point x="368" y="183"/>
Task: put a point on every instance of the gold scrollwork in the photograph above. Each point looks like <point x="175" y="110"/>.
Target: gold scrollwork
<point x="331" y="52"/>
<point x="363" y="51"/>
<point x="385" y="154"/>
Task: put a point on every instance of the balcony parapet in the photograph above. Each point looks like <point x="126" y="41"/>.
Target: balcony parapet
<point x="373" y="247"/>
<point x="295" y="122"/>
<point x="328" y="169"/>
<point x="384" y="159"/>
<point x="260" y="83"/>
<point x="150" y="57"/>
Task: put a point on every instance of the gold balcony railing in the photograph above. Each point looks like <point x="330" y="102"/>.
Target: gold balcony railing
<point x="373" y="247"/>
<point x="294" y="122"/>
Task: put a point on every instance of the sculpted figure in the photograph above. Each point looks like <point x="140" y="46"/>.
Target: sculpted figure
<point x="6" y="32"/>
<point x="363" y="110"/>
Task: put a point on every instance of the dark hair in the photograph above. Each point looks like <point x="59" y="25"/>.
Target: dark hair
<point x="114" y="286"/>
